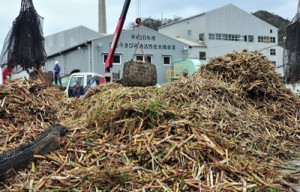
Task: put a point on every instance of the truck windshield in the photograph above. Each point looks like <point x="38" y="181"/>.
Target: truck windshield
<point x="76" y="79"/>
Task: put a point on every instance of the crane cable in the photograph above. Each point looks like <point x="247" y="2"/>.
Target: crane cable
<point x="138" y="9"/>
<point x="139" y="22"/>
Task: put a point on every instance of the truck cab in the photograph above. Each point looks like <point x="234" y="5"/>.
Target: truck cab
<point x="80" y="83"/>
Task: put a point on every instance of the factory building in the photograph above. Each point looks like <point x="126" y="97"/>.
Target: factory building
<point x="223" y="30"/>
<point x="88" y="54"/>
<point x="194" y="40"/>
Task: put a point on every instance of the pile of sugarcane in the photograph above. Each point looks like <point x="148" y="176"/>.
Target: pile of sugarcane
<point x="251" y="72"/>
<point x="27" y="102"/>
<point x="209" y="132"/>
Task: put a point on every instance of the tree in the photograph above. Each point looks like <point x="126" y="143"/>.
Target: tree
<point x="154" y="23"/>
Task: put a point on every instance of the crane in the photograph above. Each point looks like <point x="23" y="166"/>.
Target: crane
<point x="109" y="60"/>
<point x="150" y="70"/>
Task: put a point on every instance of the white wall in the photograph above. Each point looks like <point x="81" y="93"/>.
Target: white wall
<point x="228" y="19"/>
<point x="195" y="25"/>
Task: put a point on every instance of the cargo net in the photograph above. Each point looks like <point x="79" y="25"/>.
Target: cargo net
<point x="19" y="158"/>
<point x="292" y="52"/>
<point x="24" y="44"/>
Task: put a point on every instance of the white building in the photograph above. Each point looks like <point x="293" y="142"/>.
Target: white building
<point x="88" y="51"/>
<point x="201" y="37"/>
<point x="223" y="30"/>
<point x="65" y="39"/>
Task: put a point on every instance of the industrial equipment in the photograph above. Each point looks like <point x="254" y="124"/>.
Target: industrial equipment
<point x="182" y="68"/>
<point x="23" y="53"/>
<point x="81" y="82"/>
<point x="292" y="50"/>
<point x="24" y="45"/>
<point x="109" y="60"/>
<point x="81" y="79"/>
<point x="132" y="74"/>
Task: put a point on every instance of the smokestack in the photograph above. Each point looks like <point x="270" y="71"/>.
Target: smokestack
<point x="102" y="17"/>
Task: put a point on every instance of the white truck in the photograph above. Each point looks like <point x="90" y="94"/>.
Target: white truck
<point x="83" y="81"/>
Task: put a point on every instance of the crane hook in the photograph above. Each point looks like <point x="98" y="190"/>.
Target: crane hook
<point x="138" y="21"/>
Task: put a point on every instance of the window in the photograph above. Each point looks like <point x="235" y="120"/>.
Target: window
<point x="273" y="62"/>
<point x="272" y="40"/>
<point x="233" y="37"/>
<point x="272" y="51"/>
<point x="250" y="38"/>
<point x="167" y="60"/>
<point x="189" y="32"/>
<point x="225" y="37"/>
<point x="76" y="79"/>
<point x="116" y="59"/>
<point x="145" y="58"/>
<point x="139" y="58"/>
<point x="202" y="55"/>
<point x="89" y="79"/>
<point x="237" y="37"/>
<point x="271" y="31"/>
<point x="201" y="36"/>
<point x="211" y="36"/>
<point x="266" y="39"/>
<point x="149" y="59"/>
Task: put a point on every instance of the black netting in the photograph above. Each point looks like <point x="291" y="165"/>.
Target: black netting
<point x="24" y="43"/>
<point x="19" y="158"/>
<point x="292" y="51"/>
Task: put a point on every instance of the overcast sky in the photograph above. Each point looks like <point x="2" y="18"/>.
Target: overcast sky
<point x="60" y="15"/>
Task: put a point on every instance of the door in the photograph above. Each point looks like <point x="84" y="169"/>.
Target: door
<point x="79" y="80"/>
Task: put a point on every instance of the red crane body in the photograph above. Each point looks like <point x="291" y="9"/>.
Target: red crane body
<point x="109" y="60"/>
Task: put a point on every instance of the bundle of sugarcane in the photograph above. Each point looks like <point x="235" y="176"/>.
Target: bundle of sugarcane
<point x="139" y="74"/>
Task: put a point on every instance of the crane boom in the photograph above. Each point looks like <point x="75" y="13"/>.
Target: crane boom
<point x="109" y="60"/>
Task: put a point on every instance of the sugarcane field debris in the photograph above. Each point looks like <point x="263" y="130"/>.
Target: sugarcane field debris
<point x="232" y="126"/>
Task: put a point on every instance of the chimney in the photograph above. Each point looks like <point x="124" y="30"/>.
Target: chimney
<point x="102" y="17"/>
